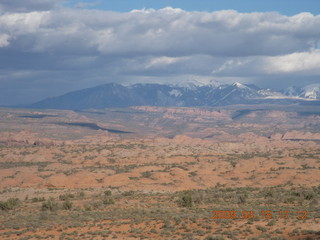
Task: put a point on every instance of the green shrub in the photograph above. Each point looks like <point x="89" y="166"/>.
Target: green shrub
<point x="269" y="193"/>
<point x="271" y="223"/>
<point x="10" y="204"/>
<point x="81" y="194"/>
<point x="166" y="224"/>
<point x="107" y="193"/>
<point x="261" y="228"/>
<point x="241" y="198"/>
<point x="64" y="197"/>
<point x="309" y="195"/>
<point x="211" y="237"/>
<point x="87" y="207"/>
<point x="146" y="174"/>
<point x="67" y="205"/>
<point x="51" y="204"/>
<point x="128" y="193"/>
<point x="153" y="230"/>
<point x="38" y="199"/>
<point x="186" y="200"/>
<point x="108" y="201"/>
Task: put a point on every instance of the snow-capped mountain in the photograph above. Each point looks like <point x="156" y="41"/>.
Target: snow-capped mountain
<point x="292" y="91"/>
<point x="311" y="92"/>
<point x="114" y="95"/>
<point x="192" y="84"/>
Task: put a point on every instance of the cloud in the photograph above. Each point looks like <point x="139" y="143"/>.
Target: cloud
<point x="298" y="64"/>
<point x="4" y="40"/>
<point x="87" y="47"/>
<point x="27" y="5"/>
<point x="306" y="63"/>
<point x="166" y="32"/>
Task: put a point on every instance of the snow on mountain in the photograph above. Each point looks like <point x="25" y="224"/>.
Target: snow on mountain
<point x="240" y="85"/>
<point x="213" y="83"/>
<point x="193" y="84"/>
<point x="311" y="91"/>
<point x="175" y="93"/>
<point x="271" y="94"/>
<point x="190" y="84"/>
<point x="292" y="91"/>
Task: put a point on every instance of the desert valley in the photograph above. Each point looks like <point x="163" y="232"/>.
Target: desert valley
<point x="159" y="120"/>
<point x="231" y="172"/>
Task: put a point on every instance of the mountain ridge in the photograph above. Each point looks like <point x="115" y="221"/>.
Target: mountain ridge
<point x="114" y="95"/>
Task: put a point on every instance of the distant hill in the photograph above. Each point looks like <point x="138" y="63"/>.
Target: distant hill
<point x="114" y="95"/>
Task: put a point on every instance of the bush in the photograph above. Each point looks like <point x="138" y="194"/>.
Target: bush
<point x="309" y="195"/>
<point x="186" y="200"/>
<point x="146" y="174"/>
<point x="241" y="198"/>
<point x="10" y="204"/>
<point x="67" y="205"/>
<point x="50" y="205"/>
<point x="153" y="230"/>
<point x="271" y="223"/>
<point x="38" y="199"/>
<point x="81" y="194"/>
<point x="64" y="197"/>
<point x="128" y="193"/>
<point x="107" y="193"/>
<point x="211" y="237"/>
<point x="108" y="201"/>
<point x="261" y="228"/>
<point x="269" y="193"/>
<point x="87" y="207"/>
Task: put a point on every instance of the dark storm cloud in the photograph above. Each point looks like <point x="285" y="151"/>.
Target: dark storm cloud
<point x="81" y="48"/>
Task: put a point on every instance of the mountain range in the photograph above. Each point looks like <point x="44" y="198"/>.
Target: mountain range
<point x="113" y="95"/>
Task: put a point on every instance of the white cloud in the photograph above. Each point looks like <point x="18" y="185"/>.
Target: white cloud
<point x="163" y="61"/>
<point x="230" y="65"/>
<point x="168" y="32"/>
<point x="295" y="64"/>
<point x="4" y="40"/>
<point x="307" y="63"/>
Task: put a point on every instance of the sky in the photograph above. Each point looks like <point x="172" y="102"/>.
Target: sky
<point x="50" y="47"/>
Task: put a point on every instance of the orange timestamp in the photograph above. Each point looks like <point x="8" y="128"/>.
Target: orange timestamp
<point x="265" y="214"/>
